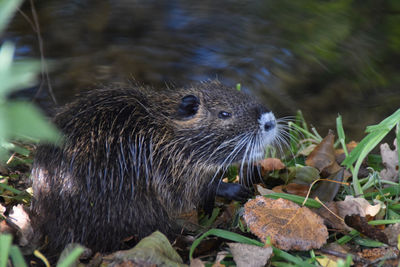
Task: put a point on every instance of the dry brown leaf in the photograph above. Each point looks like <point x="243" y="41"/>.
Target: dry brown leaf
<point x="246" y="255"/>
<point x="307" y="150"/>
<point x="290" y="226"/>
<point x="360" y="206"/>
<point x="20" y="218"/>
<point x="262" y="190"/>
<point x="332" y="249"/>
<point x="5" y="228"/>
<point x="2" y="210"/>
<point x="361" y="224"/>
<point x="323" y="156"/>
<point x="376" y="253"/>
<point x="350" y="146"/>
<point x="294" y="189"/>
<point x="348" y="206"/>
<point x="218" y="264"/>
<point x="393" y="234"/>
<point x="196" y="263"/>
<point x="221" y="255"/>
<point x="328" y="212"/>
<point x="271" y="164"/>
<point x="327" y="189"/>
<point x="390" y="160"/>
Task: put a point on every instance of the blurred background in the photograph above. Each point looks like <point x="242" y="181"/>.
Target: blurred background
<point x="323" y="57"/>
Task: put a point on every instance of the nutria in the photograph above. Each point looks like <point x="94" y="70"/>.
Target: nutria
<point x="132" y="158"/>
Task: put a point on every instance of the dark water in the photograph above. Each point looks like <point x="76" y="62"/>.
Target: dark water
<point x="94" y="43"/>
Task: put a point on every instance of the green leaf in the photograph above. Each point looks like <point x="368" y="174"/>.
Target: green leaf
<point x="311" y="203"/>
<point x="375" y="134"/>
<point x="7" y="10"/>
<point x="71" y="257"/>
<point x="224" y="234"/>
<point x="5" y="245"/>
<point x="10" y="188"/>
<point x="368" y="242"/>
<point x="154" y="249"/>
<point x="15" y="75"/>
<point x="25" y="121"/>
<point x="17" y="258"/>
<point x="245" y="240"/>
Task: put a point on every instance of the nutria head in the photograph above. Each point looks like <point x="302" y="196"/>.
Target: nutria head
<point x="218" y="125"/>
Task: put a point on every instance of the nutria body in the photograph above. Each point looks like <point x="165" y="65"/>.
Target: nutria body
<point x="132" y="159"/>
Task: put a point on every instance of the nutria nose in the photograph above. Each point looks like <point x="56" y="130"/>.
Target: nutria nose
<point x="267" y="122"/>
<point x="269" y="125"/>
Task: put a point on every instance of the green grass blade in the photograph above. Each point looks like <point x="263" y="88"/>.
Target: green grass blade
<point x="387" y="123"/>
<point x="341" y="135"/>
<point x="311" y="203"/>
<point x="71" y="258"/>
<point x="7" y="10"/>
<point x="5" y="245"/>
<point x="284" y="255"/>
<point x="10" y="188"/>
<point x="224" y="234"/>
<point x="17" y="258"/>
<point x="375" y="135"/>
<point x="245" y="240"/>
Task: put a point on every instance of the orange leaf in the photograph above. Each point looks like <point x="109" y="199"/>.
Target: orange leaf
<point x="271" y="164"/>
<point x="289" y="225"/>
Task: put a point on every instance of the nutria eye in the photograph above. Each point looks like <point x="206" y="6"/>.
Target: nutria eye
<point x="188" y="106"/>
<point x="224" y="115"/>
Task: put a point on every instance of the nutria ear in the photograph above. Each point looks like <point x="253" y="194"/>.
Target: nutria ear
<point x="188" y="106"/>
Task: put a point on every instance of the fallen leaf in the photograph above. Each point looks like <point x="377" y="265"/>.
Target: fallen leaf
<point x="376" y="253"/>
<point x="334" y="251"/>
<point x="390" y="160"/>
<point x="351" y="205"/>
<point x="361" y="224"/>
<point x="197" y="263"/>
<point x="350" y="146"/>
<point x="348" y="206"/>
<point x="393" y="234"/>
<point x="327" y="190"/>
<point x="2" y="209"/>
<point x="221" y="255"/>
<point x="323" y="156"/>
<point x="207" y="246"/>
<point x="5" y="228"/>
<point x="289" y="225"/>
<point x="262" y="190"/>
<point x="20" y="218"/>
<point x="188" y="220"/>
<point x="153" y="250"/>
<point x="327" y="262"/>
<point x="218" y="264"/>
<point x="271" y="164"/>
<point x="328" y="212"/>
<point x="306" y="150"/>
<point x="305" y="174"/>
<point x="294" y="189"/>
<point x="246" y="255"/>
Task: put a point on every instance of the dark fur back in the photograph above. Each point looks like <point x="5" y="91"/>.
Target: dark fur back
<point x="128" y="163"/>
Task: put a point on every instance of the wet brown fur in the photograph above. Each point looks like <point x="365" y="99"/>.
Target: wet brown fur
<point x="129" y="163"/>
